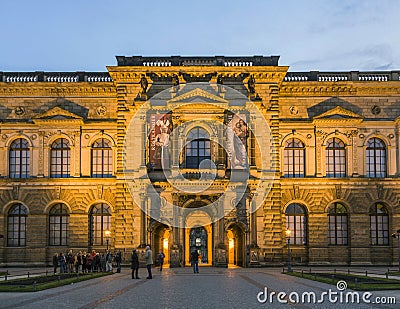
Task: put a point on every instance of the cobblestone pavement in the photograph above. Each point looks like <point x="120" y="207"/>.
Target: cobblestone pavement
<point x="180" y="288"/>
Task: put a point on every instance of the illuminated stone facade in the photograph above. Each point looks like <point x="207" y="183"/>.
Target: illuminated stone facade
<point x="332" y="148"/>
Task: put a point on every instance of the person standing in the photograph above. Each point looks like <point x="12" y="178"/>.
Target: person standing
<point x="102" y="262"/>
<point x="149" y="261"/>
<point x="118" y="260"/>
<point x="84" y="269"/>
<point x="109" y="258"/>
<point x="55" y="262"/>
<point x="62" y="262"/>
<point x="70" y="261"/>
<point x="160" y="259"/>
<point x="194" y="259"/>
<point x="135" y="264"/>
<point x="78" y="265"/>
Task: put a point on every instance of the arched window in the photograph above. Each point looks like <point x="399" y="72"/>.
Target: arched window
<point x="294" y="162"/>
<point x="19" y="159"/>
<point x="16" y="226"/>
<point x="335" y="158"/>
<point x="100" y="221"/>
<point x="58" y="225"/>
<point x="101" y="159"/>
<point x="338" y="231"/>
<point x="198" y="148"/>
<point x="60" y="159"/>
<point x="376" y="158"/>
<point x="296" y="221"/>
<point x="379" y="219"/>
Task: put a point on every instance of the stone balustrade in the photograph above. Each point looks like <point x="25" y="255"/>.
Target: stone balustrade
<point x="342" y="76"/>
<point x="57" y="77"/>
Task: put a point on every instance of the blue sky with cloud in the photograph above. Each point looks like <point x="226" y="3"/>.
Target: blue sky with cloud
<point x="324" y="35"/>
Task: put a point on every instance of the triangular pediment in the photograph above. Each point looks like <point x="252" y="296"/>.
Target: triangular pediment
<point x="198" y="95"/>
<point x="57" y="113"/>
<point x="338" y="113"/>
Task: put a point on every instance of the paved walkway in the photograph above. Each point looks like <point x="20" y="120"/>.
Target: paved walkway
<point x="180" y="288"/>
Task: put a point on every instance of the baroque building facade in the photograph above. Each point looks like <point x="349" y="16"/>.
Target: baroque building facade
<point x="216" y="154"/>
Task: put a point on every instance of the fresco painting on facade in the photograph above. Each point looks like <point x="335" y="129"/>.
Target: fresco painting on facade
<point x="322" y="151"/>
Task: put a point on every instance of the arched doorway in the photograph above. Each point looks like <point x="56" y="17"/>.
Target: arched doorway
<point x="161" y="240"/>
<point x="236" y="237"/>
<point x="198" y="236"/>
<point x="198" y="242"/>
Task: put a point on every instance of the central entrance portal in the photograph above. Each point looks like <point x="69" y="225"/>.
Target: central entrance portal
<point x="198" y="242"/>
<point x="198" y="236"/>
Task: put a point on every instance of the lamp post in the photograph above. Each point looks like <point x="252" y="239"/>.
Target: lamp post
<point x="397" y="235"/>
<point x="107" y="233"/>
<point x="289" y="266"/>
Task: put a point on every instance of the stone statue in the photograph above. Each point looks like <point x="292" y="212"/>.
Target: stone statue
<point x="250" y="84"/>
<point x="144" y="84"/>
<point x="220" y="83"/>
<point x="175" y="82"/>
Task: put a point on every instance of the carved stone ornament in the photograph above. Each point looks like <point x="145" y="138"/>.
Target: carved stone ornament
<point x="293" y="110"/>
<point x="322" y="133"/>
<point x="338" y="191"/>
<point x="101" y="110"/>
<point x="351" y="133"/>
<point x="379" y="189"/>
<point x="15" y="191"/>
<point x="58" y="192"/>
<point x="19" y="110"/>
<point x="376" y="110"/>
<point x="100" y="189"/>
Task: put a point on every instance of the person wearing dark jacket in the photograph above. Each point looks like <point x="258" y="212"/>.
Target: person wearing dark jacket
<point x="194" y="259"/>
<point x="135" y="264"/>
<point x="118" y="260"/>
<point x="55" y="262"/>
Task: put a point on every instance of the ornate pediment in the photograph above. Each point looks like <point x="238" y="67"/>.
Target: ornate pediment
<point x="57" y="114"/>
<point x="198" y="95"/>
<point x="338" y="114"/>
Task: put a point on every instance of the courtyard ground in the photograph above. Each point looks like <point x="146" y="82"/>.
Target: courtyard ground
<point x="180" y="288"/>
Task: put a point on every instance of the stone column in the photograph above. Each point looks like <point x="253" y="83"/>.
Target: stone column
<point x="41" y="148"/>
<point x="143" y="218"/>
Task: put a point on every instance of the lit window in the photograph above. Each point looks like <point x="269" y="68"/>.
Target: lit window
<point x="335" y="158"/>
<point x="19" y="159"/>
<point x="58" y="225"/>
<point x="338" y="232"/>
<point x="100" y="221"/>
<point x="376" y="158"/>
<point x="379" y="220"/>
<point x="296" y="221"/>
<point x="60" y="159"/>
<point x="294" y="162"/>
<point x="16" y="226"/>
<point x="101" y="159"/>
<point x="198" y="148"/>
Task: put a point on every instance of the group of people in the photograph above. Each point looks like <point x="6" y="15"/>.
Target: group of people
<point x="148" y="256"/>
<point x="83" y="262"/>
